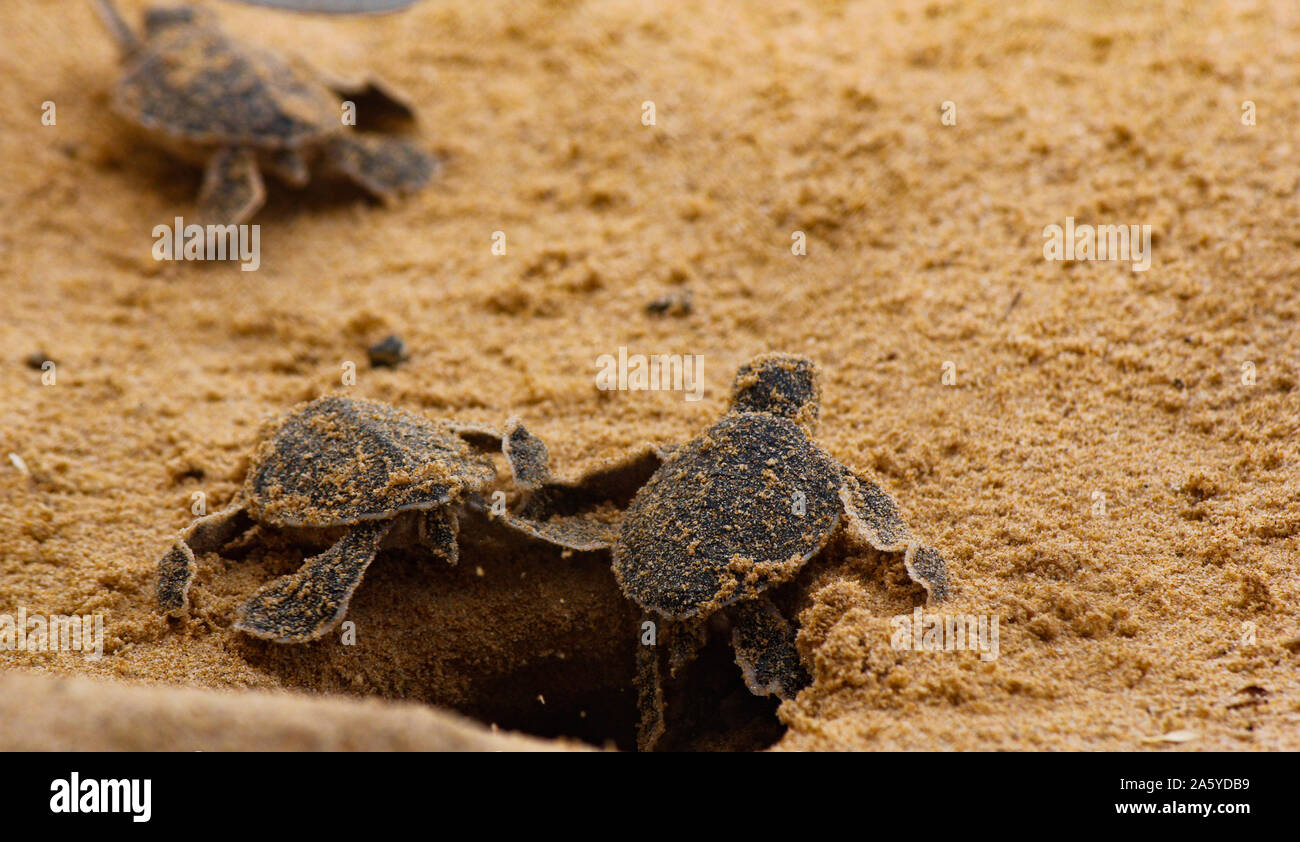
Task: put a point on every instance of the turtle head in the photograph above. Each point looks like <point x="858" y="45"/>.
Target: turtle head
<point x="161" y="18"/>
<point x="787" y="385"/>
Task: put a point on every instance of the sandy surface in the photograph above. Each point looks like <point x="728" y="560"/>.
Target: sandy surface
<point x="89" y="715"/>
<point x="1077" y="384"/>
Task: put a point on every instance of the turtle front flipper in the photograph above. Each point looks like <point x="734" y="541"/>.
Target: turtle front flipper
<point x="581" y="514"/>
<point x="482" y="437"/>
<point x="582" y="532"/>
<point x="616" y="479"/>
<point x="660" y="660"/>
<point x="763" y="640"/>
<point x="232" y="187"/>
<point x="207" y="534"/>
<point x="566" y="514"/>
<point x="873" y="515"/>
<point x="303" y="606"/>
<point x="928" y="569"/>
<point x="385" y="167"/>
<point x="530" y="461"/>
<point x="649" y="698"/>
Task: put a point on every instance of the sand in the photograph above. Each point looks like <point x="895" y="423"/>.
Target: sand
<point x="1101" y="468"/>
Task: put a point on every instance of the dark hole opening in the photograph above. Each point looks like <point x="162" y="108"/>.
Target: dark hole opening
<point x="517" y="636"/>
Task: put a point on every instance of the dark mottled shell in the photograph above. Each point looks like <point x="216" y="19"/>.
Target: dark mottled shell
<point x="341" y="461"/>
<point x="717" y="523"/>
<point x="193" y="82"/>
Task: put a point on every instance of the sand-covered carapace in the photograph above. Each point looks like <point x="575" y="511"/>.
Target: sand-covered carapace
<point x="383" y="475"/>
<point x="728" y="517"/>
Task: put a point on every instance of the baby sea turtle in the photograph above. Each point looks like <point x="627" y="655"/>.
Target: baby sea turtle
<point x="723" y="520"/>
<point x="237" y="109"/>
<point x="378" y="475"/>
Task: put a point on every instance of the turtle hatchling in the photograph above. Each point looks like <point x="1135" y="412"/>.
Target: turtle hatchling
<point x="723" y="520"/>
<point x="237" y="110"/>
<point x="359" y="473"/>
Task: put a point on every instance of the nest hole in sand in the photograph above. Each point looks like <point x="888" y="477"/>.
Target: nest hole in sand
<point x="517" y="636"/>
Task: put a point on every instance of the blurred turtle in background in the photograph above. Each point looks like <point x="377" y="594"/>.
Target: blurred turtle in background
<point x="237" y="110"/>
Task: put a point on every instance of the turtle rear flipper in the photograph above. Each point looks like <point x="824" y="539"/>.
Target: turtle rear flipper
<point x="304" y="605"/>
<point x="289" y="166"/>
<point x="207" y="534"/>
<point x="763" y="640"/>
<point x="385" y="167"/>
<point x="232" y="187"/>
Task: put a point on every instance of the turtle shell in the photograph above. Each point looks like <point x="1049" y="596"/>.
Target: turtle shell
<point x="338" y="461"/>
<point x="194" y="83"/>
<point x="734" y="512"/>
